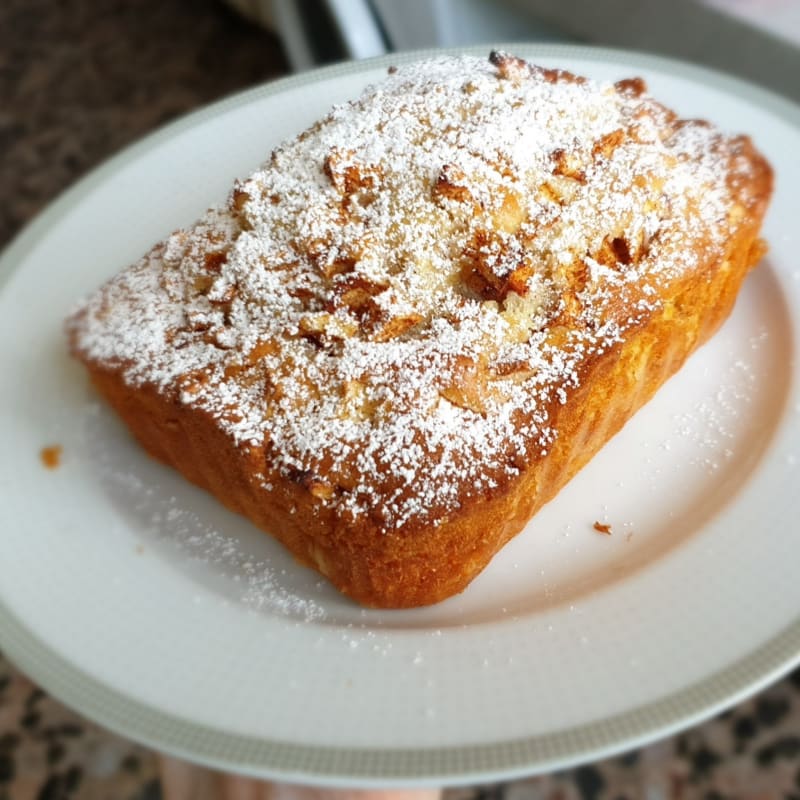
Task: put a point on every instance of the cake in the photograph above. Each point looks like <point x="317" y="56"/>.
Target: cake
<point x="416" y="321"/>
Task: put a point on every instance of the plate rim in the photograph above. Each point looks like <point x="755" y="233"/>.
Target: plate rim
<point x="382" y="768"/>
<point x="364" y="767"/>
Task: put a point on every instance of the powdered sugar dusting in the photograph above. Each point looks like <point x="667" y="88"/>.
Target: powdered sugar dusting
<point x="711" y="424"/>
<point x="397" y="300"/>
<point x="255" y="583"/>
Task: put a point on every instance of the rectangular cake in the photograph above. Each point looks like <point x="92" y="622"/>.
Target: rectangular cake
<point x="420" y="318"/>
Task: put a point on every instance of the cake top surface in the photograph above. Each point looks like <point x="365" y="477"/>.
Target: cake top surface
<point x="392" y="305"/>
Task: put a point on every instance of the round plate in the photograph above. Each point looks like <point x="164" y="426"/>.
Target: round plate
<point x="136" y="598"/>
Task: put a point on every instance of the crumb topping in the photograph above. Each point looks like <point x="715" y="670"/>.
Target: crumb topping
<point x="393" y="304"/>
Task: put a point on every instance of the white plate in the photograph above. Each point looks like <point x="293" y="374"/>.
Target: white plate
<point x="137" y="599"/>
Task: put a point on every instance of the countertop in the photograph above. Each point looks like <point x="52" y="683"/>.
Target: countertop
<point x="78" y="82"/>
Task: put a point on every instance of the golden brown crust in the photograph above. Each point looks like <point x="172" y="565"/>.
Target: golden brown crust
<point x="575" y="345"/>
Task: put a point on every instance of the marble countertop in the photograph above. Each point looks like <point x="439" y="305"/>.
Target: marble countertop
<point x="79" y="81"/>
